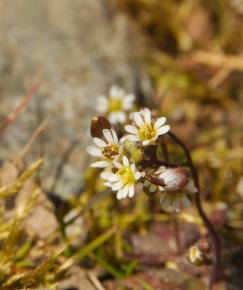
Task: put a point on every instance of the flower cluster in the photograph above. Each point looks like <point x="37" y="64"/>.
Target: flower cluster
<point x="238" y="5"/>
<point x="129" y="157"/>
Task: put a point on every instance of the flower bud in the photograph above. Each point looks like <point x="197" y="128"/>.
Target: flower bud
<point x="176" y="179"/>
<point x="98" y="124"/>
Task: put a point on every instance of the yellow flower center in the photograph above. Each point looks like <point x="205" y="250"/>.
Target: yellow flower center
<point x="146" y="132"/>
<point x="127" y="175"/>
<point x="110" y="151"/>
<point x="115" y="105"/>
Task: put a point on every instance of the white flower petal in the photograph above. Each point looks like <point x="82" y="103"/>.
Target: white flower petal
<point x="99" y="142"/>
<point x="118" y="94"/>
<point x="114" y="135"/>
<point x="125" y="161"/>
<point x="108" y="184"/>
<point x="159" y="122"/>
<point x="168" y="176"/>
<point x="119" y="195"/>
<point x="113" y="91"/>
<point x="108" y="136"/>
<point x="138" y="120"/>
<point x="94" y="151"/>
<point x="123" y="139"/>
<point x="131" y="129"/>
<point x="114" y="178"/>
<point x="100" y="164"/>
<point x="128" y="102"/>
<point x="147" y="115"/>
<point x="131" y="191"/>
<point x="137" y="175"/>
<point x="121" y="117"/>
<point x="133" y="138"/>
<point x="107" y="175"/>
<point x="125" y="191"/>
<point x="101" y="109"/>
<point x="162" y="130"/>
<point x="102" y="100"/>
<point x="102" y="104"/>
<point x="130" y="97"/>
<point x="133" y="168"/>
<point x="113" y="118"/>
<point x="117" y="164"/>
<point x="117" y="185"/>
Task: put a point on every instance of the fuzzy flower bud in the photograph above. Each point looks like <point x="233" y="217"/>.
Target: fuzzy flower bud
<point x="176" y="179"/>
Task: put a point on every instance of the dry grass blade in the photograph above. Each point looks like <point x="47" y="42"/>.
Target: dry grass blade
<point x="11" y="243"/>
<point x="6" y="191"/>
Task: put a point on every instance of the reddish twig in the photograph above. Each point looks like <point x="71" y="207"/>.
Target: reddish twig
<point x="24" y="102"/>
<point x="40" y="129"/>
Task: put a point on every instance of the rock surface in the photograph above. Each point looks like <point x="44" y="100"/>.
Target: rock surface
<point x="77" y="49"/>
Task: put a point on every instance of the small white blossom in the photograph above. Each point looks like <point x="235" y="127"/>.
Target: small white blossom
<point x="145" y="129"/>
<point x="106" y="150"/>
<point x="124" y="180"/>
<point x="238" y="4"/>
<point x="195" y="256"/>
<point x="116" y="105"/>
<point x="176" y="179"/>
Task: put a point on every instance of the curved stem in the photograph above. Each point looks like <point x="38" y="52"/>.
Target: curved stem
<point x="207" y="223"/>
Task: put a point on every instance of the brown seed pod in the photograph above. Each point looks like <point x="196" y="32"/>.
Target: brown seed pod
<point x="98" y="124"/>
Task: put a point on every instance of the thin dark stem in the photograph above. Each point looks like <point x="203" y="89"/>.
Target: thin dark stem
<point x="208" y="224"/>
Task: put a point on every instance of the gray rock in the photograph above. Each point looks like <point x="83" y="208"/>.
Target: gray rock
<point x="77" y="48"/>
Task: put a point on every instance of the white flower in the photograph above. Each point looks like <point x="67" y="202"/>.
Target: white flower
<point x="116" y="105"/>
<point x="174" y="201"/>
<point x="145" y="129"/>
<point x="123" y="180"/>
<point x="176" y="179"/>
<point x="106" y="150"/>
<point x="195" y="256"/>
<point x="238" y="4"/>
